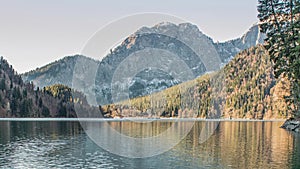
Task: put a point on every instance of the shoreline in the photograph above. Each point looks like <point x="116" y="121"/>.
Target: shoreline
<point x="138" y="120"/>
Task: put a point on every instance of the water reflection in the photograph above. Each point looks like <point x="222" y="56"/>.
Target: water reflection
<point x="65" y="145"/>
<point x="137" y="142"/>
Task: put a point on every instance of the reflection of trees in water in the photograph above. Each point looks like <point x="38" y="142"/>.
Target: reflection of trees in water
<point x="5" y="132"/>
<point x="243" y="145"/>
<point x="141" y="129"/>
<point x="11" y="130"/>
<point x="232" y="145"/>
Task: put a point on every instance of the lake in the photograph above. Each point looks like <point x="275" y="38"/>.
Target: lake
<point x="66" y="144"/>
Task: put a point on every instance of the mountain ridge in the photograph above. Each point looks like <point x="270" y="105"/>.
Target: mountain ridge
<point x="245" y="88"/>
<point x="61" y="71"/>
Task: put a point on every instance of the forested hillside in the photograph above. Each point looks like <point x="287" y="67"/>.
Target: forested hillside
<point x="245" y="88"/>
<point x="19" y="99"/>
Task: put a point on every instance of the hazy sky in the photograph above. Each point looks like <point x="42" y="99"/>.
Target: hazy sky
<point x="34" y="32"/>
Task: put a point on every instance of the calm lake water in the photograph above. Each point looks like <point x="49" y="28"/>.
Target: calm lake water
<point x="58" y="144"/>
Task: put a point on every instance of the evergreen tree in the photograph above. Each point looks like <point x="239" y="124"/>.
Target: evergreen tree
<point x="40" y="102"/>
<point x="280" y="20"/>
<point x="25" y="108"/>
<point x="2" y="84"/>
<point x="45" y="111"/>
<point x="25" y="93"/>
<point x="62" y="111"/>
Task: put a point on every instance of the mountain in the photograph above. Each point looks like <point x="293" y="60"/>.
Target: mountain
<point x="20" y="99"/>
<point x="58" y="72"/>
<point x="192" y="51"/>
<point x="244" y="88"/>
<point x="227" y="50"/>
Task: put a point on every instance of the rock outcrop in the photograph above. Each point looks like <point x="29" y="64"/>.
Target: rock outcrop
<point x="292" y="124"/>
<point x="227" y="50"/>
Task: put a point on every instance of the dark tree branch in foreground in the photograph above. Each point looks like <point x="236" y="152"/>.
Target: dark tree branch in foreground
<point x="279" y="19"/>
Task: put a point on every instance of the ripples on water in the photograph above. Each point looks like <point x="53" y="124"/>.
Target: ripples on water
<point x="65" y="145"/>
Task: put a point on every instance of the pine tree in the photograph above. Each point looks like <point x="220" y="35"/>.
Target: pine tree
<point x="2" y="84"/>
<point x="279" y="19"/>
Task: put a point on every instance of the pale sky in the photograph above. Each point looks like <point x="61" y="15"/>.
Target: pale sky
<point x="34" y="32"/>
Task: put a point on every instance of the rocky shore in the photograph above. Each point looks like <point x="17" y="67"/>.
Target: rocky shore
<point x="292" y="124"/>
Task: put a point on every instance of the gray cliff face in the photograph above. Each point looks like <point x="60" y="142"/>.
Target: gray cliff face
<point x="159" y="80"/>
<point x="163" y="56"/>
<point x="168" y="49"/>
<point x="227" y="50"/>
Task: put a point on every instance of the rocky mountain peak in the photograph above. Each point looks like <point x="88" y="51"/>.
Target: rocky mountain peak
<point x="172" y="30"/>
<point x="159" y="43"/>
<point x="227" y="50"/>
<point x="253" y="36"/>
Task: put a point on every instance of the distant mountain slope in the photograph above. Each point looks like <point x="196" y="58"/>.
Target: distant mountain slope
<point x="58" y="72"/>
<point x="19" y="99"/>
<point x="245" y="88"/>
<point x="177" y="39"/>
